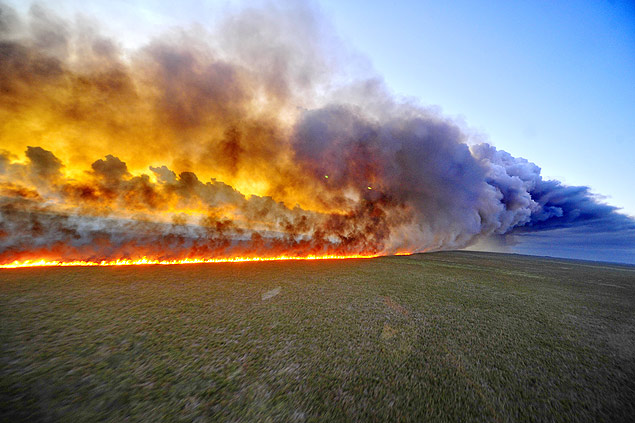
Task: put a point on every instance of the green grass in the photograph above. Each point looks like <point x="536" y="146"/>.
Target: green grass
<point x="457" y="336"/>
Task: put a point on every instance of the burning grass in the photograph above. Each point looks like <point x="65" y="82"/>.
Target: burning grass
<point x="444" y="337"/>
<point x="150" y="261"/>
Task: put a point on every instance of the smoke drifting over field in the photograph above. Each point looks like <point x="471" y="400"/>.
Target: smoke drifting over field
<point x="241" y="141"/>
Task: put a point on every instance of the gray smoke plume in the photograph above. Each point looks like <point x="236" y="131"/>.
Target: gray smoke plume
<point x="123" y="154"/>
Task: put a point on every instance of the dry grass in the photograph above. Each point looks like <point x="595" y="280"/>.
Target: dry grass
<point x="455" y="336"/>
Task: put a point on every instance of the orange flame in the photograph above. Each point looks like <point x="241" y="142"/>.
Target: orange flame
<point x="148" y="261"/>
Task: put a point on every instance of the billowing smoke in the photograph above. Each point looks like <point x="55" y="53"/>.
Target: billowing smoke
<point x="242" y="141"/>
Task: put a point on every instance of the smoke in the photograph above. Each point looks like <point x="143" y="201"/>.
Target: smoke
<point x="249" y="139"/>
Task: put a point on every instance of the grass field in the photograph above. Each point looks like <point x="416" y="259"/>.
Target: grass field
<point x="456" y="336"/>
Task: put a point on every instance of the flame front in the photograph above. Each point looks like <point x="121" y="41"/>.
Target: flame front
<point x="148" y="261"/>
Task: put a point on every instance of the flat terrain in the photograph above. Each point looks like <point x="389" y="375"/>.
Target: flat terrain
<point x="456" y="336"/>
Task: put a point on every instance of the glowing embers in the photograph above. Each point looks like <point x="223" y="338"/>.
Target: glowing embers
<point x="147" y="261"/>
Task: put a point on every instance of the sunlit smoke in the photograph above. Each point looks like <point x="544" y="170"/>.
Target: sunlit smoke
<point x="244" y="142"/>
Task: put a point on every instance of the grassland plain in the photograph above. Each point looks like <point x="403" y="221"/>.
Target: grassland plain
<point x="454" y="336"/>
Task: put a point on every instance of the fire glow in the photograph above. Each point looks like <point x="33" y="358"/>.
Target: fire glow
<point x="146" y="261"/>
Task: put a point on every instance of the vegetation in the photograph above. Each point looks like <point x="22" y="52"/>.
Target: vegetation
<point x="455" y="336"/>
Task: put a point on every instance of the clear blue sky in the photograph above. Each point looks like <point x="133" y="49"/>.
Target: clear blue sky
<point x="550" y="81"/>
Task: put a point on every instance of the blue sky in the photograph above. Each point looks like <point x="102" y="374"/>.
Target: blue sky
<point x="551" y="81"/>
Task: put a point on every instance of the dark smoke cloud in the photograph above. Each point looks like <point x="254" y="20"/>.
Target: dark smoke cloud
<point x="551" y="204"/>
<point x="143" y="152"/>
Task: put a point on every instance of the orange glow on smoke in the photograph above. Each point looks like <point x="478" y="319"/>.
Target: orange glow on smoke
<point x="147" y="261"/>
<point x="114" y="157"/>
